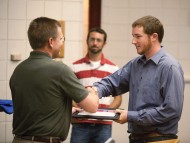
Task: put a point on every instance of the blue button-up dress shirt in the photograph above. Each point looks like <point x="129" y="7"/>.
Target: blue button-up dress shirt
<point x="156" y="92"/>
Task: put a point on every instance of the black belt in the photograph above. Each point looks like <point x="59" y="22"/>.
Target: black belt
<point x="152" y="138"/>
<point x="39" y="139"/>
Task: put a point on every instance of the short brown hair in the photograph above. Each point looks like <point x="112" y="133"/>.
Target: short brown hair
<point x="151" y="25"/>
<point x="99" y="30"/>
<point x="40" y="30"/>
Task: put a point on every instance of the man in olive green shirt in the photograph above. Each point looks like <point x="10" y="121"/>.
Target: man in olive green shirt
<point x="43" y="89"/>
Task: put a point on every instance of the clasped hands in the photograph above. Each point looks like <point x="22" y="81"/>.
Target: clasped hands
<point x="123" y="113"/>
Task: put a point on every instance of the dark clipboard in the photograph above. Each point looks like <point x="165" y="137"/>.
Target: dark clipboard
<point x="108" y="114"/>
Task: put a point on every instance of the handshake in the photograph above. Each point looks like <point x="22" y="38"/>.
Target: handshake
<point x="90" y="103"/>
<point x="93" y="90"/>
<point x="93" y="97"/>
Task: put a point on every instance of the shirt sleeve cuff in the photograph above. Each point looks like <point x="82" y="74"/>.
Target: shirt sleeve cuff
<point x="98" y="91"/>
<point x="132" y="116"/>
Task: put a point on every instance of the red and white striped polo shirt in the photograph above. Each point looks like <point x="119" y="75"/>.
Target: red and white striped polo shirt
<point x="89" y="72"/>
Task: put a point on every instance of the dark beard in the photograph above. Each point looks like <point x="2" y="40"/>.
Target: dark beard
<point x="93" y="51"/>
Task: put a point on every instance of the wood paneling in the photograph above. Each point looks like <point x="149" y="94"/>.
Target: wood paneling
<point x="94" y="13"/>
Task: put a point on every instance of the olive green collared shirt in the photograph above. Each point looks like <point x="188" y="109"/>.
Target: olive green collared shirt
<point x="42" y="92"/>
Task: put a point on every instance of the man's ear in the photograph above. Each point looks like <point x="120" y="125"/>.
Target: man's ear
<point x="50" y="42"/>
<point x="154" y="36"/>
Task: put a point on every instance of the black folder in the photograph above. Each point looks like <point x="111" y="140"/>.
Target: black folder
<point x="101" y="114"/>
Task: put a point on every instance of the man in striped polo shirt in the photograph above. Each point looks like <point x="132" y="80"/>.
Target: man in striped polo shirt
<point x="91" y="68"/>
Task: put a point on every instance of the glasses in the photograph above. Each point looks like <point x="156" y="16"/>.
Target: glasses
<point x="94" y="39"/>
<point x="62" y="39"/>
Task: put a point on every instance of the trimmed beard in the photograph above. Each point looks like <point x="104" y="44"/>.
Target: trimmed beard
<point x="95" y="51"/>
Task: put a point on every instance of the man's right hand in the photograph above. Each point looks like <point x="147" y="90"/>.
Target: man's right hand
<point x="123" y="116"/>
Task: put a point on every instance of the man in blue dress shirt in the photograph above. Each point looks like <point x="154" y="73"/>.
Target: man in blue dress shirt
<point x="155" y="84"/>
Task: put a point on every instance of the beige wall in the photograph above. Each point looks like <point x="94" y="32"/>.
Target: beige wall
<point x="117" y="16"/>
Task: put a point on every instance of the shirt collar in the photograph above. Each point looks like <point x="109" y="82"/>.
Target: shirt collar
<point x="87" y="59"/>
<point x="36" y="54"/>
<point x="155" y="58"/>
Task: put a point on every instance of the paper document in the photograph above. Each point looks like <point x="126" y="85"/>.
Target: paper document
<point x="98" y="113"/>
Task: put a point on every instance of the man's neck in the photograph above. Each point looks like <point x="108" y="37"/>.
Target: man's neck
<point x="153" y="51"/>
<point x="95" y="57"/>
<point x="44" y="51"/>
